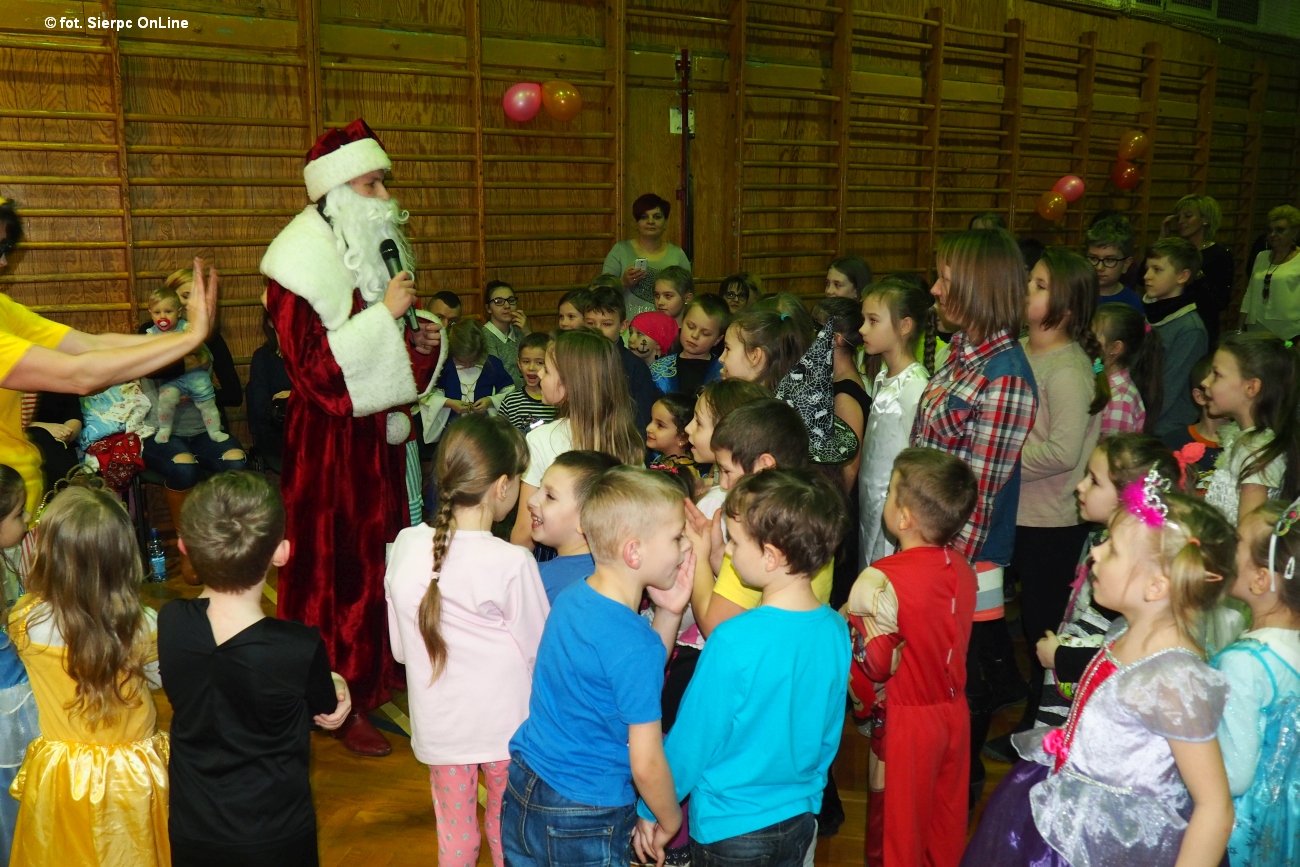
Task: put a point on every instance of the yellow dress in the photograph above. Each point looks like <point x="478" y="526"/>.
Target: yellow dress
<point x="20" y="329"/>
<point x="87" y="797"/>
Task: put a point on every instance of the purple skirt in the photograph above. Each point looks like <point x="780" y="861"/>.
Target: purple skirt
<point x="1006" y="835"/>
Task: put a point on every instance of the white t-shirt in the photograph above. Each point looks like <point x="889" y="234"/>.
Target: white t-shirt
<point x="1224" y="492"/>
<point x="545" y="444"/>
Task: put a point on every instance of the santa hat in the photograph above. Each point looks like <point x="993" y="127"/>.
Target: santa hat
<point x="340" y="155"/>
<point x="659" y="327"/>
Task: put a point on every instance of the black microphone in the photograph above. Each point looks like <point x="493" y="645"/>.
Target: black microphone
<point x="393" y="260"/>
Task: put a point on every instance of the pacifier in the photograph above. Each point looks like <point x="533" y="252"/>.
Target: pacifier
<point x="164" y="324"/>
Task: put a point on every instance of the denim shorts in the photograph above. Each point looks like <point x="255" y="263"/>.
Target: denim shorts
<point x="781" y="845"/>
<point x="539" y="826"/>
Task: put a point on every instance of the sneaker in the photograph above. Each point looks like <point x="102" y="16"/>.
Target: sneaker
<point x="999" y="749"/>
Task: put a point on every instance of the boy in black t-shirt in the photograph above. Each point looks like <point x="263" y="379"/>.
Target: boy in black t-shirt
<point x="245" y="689"/>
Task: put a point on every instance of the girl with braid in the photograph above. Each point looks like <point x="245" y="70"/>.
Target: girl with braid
<point x="470" y="672"/>
<point x="1065" y="357"/>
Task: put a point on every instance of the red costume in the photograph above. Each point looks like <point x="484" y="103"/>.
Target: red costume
<point x="355" y="377"/>
<point x="926" y="750"/>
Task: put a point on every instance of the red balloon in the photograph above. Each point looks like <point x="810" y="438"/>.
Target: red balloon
<point x="1125" y="175"/>
<point x="1133" y="144"/>
<point x="522" y="101"/>
<point x="1051" y="206"/>
<point x="561" y="100"/>
<point x="1070" y="186"/>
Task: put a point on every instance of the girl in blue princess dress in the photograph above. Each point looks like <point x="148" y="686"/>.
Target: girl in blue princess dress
<point x="1135" y="776"/>
<point x="1261" y="722"/>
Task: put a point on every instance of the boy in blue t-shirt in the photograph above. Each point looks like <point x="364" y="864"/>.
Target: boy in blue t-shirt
<point x="556" y="509"/>
<point x="760" y="723"/>
<point x="593" y="718"/>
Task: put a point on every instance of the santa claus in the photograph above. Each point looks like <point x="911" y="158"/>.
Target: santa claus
<point x="356" y="368"/>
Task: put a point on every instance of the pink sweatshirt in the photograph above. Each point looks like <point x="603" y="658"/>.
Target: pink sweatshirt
<point x="493" y="611"/>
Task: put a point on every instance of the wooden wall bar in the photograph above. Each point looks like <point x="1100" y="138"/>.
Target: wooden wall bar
<point x="822" y="127"/>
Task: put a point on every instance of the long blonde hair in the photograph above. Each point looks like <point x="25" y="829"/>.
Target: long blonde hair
<point x="596" y="402"/>
<point x="475" y="451"/>
<point x="88" y="569"/>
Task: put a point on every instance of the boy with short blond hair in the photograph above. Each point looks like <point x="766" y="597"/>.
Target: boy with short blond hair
<point x="760" y="723"/>
<point x="244" y="688"/>
<point x="593" y="724"/>
<point x="1172" y="264"/>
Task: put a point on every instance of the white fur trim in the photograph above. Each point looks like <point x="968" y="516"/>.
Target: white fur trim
<point x="370" y="349"/>
<point x="352" y="160"/>
<point x="442" y="353"/>
<point x="304" y="259"/>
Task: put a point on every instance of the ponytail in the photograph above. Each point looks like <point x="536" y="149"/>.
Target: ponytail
<point x="474" y="453"/>
<point x="783" y="337"/>
<point x="1143" y="355"/>
<point x="906" y="300"/>
<point x="1197" y="551"/>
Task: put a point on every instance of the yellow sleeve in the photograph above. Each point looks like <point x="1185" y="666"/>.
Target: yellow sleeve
<point x="731" y="588"/>
<point x="20" y="328"/>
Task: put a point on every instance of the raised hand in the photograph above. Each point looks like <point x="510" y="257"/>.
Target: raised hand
<point x="400" y="294"/>
<point x="201" y="310"/>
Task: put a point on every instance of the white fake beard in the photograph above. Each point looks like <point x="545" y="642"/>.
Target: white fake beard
<point x="360" y="224"/>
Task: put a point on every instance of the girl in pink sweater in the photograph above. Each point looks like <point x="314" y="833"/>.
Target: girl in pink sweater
<point x="465" y="614"/>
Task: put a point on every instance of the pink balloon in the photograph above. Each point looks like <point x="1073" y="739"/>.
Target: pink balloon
<point x="1070" y="186"/>
<point x="522" y="101"/>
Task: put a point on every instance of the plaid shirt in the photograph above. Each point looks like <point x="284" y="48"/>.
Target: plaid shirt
<point x="984" y="422"/>
<point x="1125" y="413"/>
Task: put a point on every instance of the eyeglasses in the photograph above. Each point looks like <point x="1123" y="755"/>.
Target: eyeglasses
<point x="735" y="296"/>
<point x="512" y="301"/>
<point x="1108" y="262"/>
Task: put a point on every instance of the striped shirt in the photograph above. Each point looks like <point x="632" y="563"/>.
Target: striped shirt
<point x="524" y="412"/>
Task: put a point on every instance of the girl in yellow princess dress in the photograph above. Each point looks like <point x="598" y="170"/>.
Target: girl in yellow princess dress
<point x="92" y="789"/>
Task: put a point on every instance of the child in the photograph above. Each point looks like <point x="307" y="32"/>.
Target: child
<point x="920" y="817"/>
<point x="555" y="508"/>
<point x="740" y="290"/>
<point x="608" y="315"/>
<point x="1252" y="381"/>
<point x="762" y="345"/>
<point x="584" y="381"/>
<point x="465" y="614"/>
<point x="1132" y="354"/>
<point x="593" y="719"/>
<point x="716" y="401"/>
<point x="1139" y="749"/>
<point x="572" y="309"/>
<point x="525" y="407"/>
<point x="652" y="335"/>
<point x="666" y="435"/>
<point x="474" y="376"/>
<point x="1171" y="264"/>
<point x="505" y="328"/>
<point x="981" y="290"/>
<point x="196" y="384"/>
<point x="1263" y="672"/>
<point x="1064" y="355"/>
<point x="1115" y="463"/>
<point x="687" y="371"/>
<point x="760" y="723"/>
<point x="674" y="290"/>
<point x="90" y="649"/>
<point x="1110" y="252"/>
<point x="1201" y="443"/>
<point x="847" y="277"/>
<point x="18" y="721"/>
<point x="245" y="688"/>
<point x="896" y="317"/>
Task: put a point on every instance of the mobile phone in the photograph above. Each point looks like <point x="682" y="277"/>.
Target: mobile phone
<point x="639" y="264"/>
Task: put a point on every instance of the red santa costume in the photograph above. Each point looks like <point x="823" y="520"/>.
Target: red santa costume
<point x="355" y="376"/>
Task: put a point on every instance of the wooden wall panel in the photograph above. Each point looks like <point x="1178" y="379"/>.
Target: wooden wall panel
<point x="822" y="127"/>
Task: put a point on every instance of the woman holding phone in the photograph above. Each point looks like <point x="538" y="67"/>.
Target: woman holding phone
<point x="638" y="261"/>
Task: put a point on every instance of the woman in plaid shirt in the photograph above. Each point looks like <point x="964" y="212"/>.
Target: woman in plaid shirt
<point x="980" y="406"/>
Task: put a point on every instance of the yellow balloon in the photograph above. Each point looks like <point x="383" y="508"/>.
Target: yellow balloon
<point x="561" y="100"/>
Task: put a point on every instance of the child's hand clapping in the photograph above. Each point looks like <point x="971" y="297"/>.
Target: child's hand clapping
<point x="675" y="598"/>
<point x="1046" y="649"/>
<point x="331" y="721"/>
<point x="649" y="840"/>
<point x="708" y="533"/>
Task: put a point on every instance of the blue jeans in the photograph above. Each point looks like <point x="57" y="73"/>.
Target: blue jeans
<point x="210" y="456"/>
<point x="539" y="826"/>
<point x="781" y="845"/>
